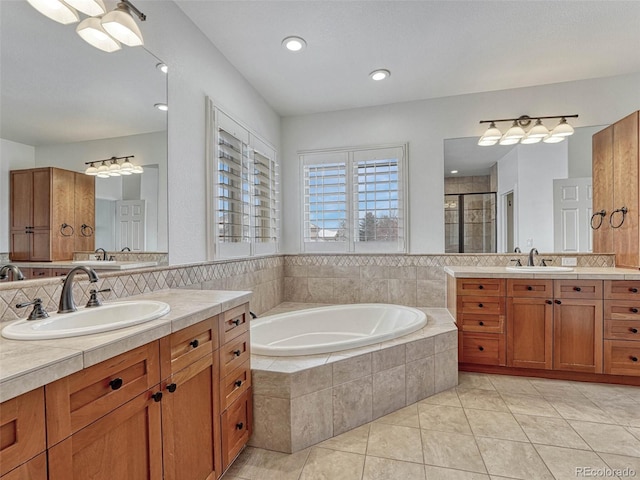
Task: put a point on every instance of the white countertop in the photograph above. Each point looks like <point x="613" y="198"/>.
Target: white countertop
<point x="25" y="365"/>
<point x="95" y="265"/>
<point x="585" y="273"/>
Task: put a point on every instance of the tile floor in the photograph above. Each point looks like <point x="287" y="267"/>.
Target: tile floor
<point x="488" y="427"/>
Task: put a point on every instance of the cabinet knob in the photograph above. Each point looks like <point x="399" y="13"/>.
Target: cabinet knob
<point x="480" y="287"/>
<point x="481" y="323"/>
<point x="634" y="359"/>
<point x="116" y="383"/>
<point x="529" y="287"/>
<point x="157" y="396"/>
<point x="558" y="302"/>
<point x="633" y="330"/>
<point x="633" y="290"/>
<point x="238" y="383"/>
<point x="634" y="310"/>
<point x="577" y="289"/>
<point x="480" y="305"/>
<point x="236" y="322"/>
<point x="548" y="302"/>
<point x="481" y="348"/>
<point x="237" y="353"/>
<point x="172" y="387"/>
<point x="239" y="426"/>
<point x="194" y="343"/>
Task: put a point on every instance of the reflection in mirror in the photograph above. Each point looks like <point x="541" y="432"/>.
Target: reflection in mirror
<point x="538" y="195"/>
<point x="65" y="103"/>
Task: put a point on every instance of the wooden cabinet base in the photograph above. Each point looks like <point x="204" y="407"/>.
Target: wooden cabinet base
<point x="34" y="469"/>
<point x="552" y="374"/>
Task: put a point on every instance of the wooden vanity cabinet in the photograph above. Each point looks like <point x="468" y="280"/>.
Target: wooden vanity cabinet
<point x="34" y="469"/>
<point x="622" y="328"/>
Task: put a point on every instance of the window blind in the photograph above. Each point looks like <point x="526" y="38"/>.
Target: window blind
<point x="265" y="191"/>
<point x="325" y="193"/>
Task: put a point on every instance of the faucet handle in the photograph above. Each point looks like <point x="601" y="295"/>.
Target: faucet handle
<point x="517" y="260"/>
<point x="38" y="312"/>
<point x="543" y="262"/>
<point x="93" y="298"/>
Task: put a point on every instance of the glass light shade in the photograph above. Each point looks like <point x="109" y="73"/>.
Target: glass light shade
<point x="91" y="170"/>
<point x="492" y="133"/>
<point x="56" y="10"/>
<point x="126" y="168"/>
<point x="563" y="129"/>
<point x="487" y="142"/>
<point x="114" y="169"/>
<point x="515" y="132"/>
<point x="88" y="7"/>
<point x="509" y="141"/>
<point x="103" y="170"/>
<point x="552" y="139"/>
<point x="91" y="31"/>
<point x="137" y="169"/>
<point x="121" y="26"/>
<point x="538" y="131"/>
<point x="528" y="139"/>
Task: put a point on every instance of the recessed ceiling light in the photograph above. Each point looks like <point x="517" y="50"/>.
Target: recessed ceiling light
<point x="162" y="106"/>
<point x="162" y="67"/>
<point x="294" y="44"/>
<point x="380" y="74"/>
<point x="454" y="171"/>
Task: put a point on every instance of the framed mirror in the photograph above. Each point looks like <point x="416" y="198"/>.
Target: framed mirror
<point x="65" y="103"/>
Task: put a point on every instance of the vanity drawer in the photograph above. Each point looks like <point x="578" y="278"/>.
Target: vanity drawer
<point x="484" y="348"/>
<point x="234" y="385"/>
<point x="621" y="357"/>
<point x="487" y="287"/>
<point x="481" y="305"/>
<point x="473" y="322"/>
<point x="34" y="469"/>
<point x="622" y="329"/>
<point x="22" y="434"/>
<point x="622" y="289"/>
<point x="234" y="354"/>
<point x="525" y="287"/>
<point x="585" y="289"/>
<point x="187" y="345"/>
<point x="237" y="423"/>
<point x="75" y="401"/>
<point x="234" y="322"/>
<point x="622" y="309"/>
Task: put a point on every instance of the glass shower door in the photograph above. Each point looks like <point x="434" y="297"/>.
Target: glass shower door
<point x="470" y="223"/>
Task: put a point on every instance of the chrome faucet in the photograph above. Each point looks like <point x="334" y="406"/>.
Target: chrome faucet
<point x="104" y="253"/>
<point x="67" y="303"/>
<point x="534" y="251"/>
<point x="17" y="274"/>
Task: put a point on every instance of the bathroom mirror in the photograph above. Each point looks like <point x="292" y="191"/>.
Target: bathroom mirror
<point x="64" y="103"/>
<point x="532" y="185"/>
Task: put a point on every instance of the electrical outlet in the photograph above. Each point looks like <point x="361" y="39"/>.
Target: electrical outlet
<point x="569" y="261"/>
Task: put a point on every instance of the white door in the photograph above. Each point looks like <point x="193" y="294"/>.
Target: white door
<point x="572" y="207"/>
<point x="130" y="225"/>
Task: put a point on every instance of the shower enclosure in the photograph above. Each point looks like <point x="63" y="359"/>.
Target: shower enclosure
<point x="470" y="222"/>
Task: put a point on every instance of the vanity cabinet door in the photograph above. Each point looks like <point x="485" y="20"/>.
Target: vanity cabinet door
<point x="530" y="332"/>
<point x="34" y="469"/>
<point x="84" y="207"/>
<point x="125" y="444"/>
<point x="578" y="335"/>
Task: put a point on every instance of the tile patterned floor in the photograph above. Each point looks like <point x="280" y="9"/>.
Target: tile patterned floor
<point x="489" y="427"/>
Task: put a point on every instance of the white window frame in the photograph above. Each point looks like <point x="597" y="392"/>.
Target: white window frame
<point x="251" y="244"/>
<point x="350" y="157"/>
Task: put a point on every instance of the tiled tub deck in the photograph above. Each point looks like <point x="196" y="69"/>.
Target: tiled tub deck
<point x="300" y="401"/>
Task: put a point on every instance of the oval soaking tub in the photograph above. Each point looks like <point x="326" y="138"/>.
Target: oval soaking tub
<point x="331" y="329"/>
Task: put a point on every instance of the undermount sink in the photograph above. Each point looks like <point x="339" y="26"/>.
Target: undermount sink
<point x="92" y="262"/>
<point x="539" y="269"/>
<point x="85" y="321"/>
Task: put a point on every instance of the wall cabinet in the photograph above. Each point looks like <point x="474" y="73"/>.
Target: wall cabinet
<point x="48" y="207"/>
<point x="616" y="159"/>
<point x="150" y="413"/>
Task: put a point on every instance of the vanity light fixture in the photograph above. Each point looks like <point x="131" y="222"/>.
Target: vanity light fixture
<point x="162" y="67"/>
<point x="120" y="24"/>
<point x="91" y="31"/>
<point x="92" y="8"/>
<point x="162" y="106"/>
<point x="56" y="10"/>
<point x="294" y="43"/>
<point x="517" y="133"/>
<point x="91" y="170"/>
<point x="380" y="74"/>
<point x="113" y="168"/>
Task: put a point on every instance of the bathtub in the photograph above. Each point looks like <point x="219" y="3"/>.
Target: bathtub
<point x="332" y="329"/>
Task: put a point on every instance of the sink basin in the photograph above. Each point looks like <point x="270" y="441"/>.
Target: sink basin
<point x="539" y="269"/>
<point x="92" y="262"/>
<point x="85" y="321"/>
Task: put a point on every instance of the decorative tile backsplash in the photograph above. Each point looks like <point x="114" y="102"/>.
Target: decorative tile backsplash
<point x="413" y="280"/>
<point x="162" y="258"/>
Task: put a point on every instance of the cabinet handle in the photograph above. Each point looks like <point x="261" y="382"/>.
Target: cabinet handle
<point x="236" y="322"/>
<point x="577" y="289"/>
<point x="548" y="302"/>
<point x="633" y="330"/>
<point x="634" y="359"/>
<point x="633" y="290"/>
<point x="480" y="287"/>
<point x="480" y="305"/>
<point x="481" y="323"/>
<point x="172" y="387"/>
<point x="157" y="396"/>
<point x="481" y="348"/>
<point x="529" y="287"/>
<point x="558" y="302"/>
<point x="238" y="383"/>
<point x="237" y="353"/>
<point x="116" y="383"/>
<point x="194" y="343"/>
<point x="239" y="426"/>
<point x="634" y="310"/>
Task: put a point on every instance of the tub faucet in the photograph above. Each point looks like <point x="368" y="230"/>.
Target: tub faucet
<point x="67" y="303"/>
<point x="104" y="253"/>
<point x="534" y="251"/>
<point x="17" y="274"/>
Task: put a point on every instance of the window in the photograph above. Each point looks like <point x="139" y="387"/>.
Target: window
<point x="243" y="191"/>
<point x="354" y="200"/>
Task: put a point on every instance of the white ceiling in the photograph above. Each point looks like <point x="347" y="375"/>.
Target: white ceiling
<point x="469" y="159"/>
<point x="432" y="48"/>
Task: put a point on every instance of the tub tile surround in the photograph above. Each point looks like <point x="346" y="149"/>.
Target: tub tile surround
<point x="300" y="401"/>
